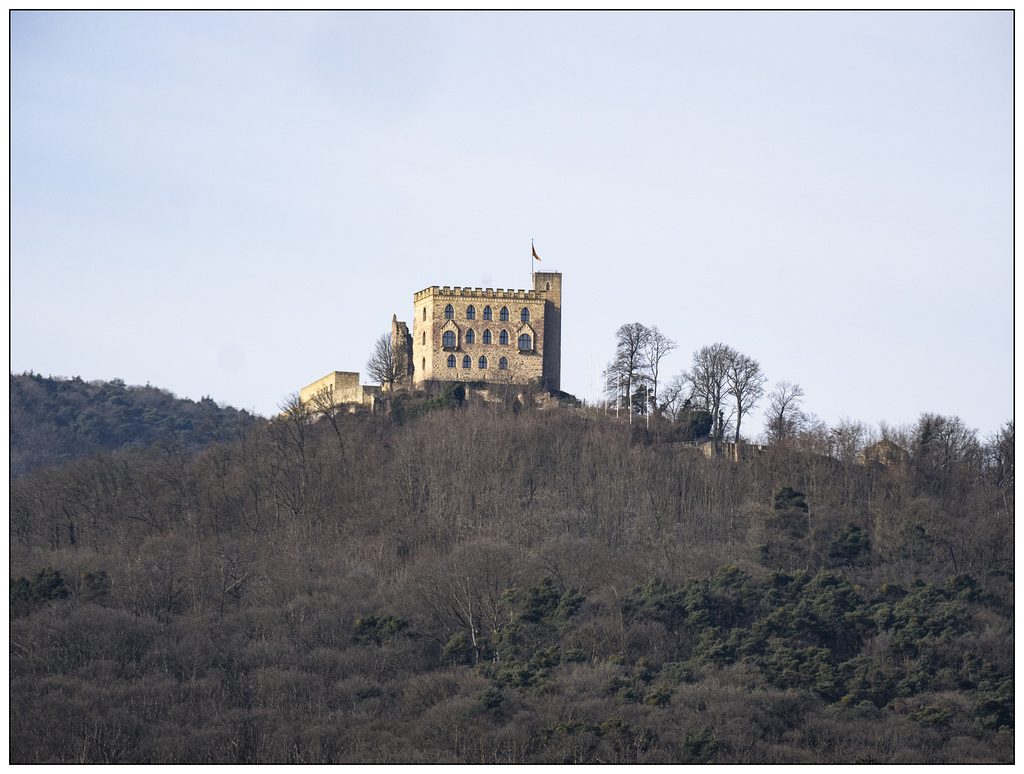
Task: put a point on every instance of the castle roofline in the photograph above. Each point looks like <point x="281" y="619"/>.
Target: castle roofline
<point x="460" y="292"/>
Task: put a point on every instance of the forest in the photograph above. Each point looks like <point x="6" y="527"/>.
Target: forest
<point x="457" y="582"/>
<point x="55" y="419"/>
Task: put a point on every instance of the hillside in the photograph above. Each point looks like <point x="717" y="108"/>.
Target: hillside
<point x="477" y="584"/>
<point x="57" y="420"/>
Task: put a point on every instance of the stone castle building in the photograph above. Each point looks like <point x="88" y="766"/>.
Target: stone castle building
<point x="340" y="387"/>
<point x="510" y="337"/>
<point x="485" y="335"/>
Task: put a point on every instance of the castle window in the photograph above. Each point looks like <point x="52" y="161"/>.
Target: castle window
<point x="525" y="342"/>
<point x="548" y="287"/>
<point x="448" y="339"/>
<point x="524" y="315"/>
<point x="470" y="313"/>
<point x="424" y="314"/>
<point x="424" y="336"/>
<point x="466" y="362"/>
<point x="503" y="364"/>
<point x="449" y="312"/>
<point x="470" y="336"/>
<point x="487" y="313"/>
<point x="504" y="313"/>
<point x="503" y="338"/>
<point x="451" y="361"/>
<point x="487" y="337"/>
<point x="483" y="363"/>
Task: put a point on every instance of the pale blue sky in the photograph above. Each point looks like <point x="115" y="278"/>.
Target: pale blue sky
<point x="234" y="205"/>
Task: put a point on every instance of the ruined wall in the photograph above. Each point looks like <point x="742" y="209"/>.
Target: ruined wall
<point x="341" y="387"/>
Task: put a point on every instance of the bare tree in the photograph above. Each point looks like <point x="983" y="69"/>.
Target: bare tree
<point x="784" y="418"/>
<point x="676" y="393"/>
<point x="1000" y="455"/>
<point x="324" y="404"/>
<point x="655" y="348"/>
<point x="847" y="439"/>
<point x="709" y="383"/>
<point x="387" y="362"/>
<point x="941" y="441"/>
<point x="745" y="382"/>
<point x="627" y="367"/>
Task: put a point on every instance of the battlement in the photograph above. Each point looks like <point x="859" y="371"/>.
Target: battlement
<point x="459" y="292"/>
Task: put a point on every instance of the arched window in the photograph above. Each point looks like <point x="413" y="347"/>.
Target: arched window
<point x="470" y="313"/>
<point x="424" y="313"/>
<point x="466" y="362"/>
<point x="470" y="337"/>
<point x="503" y="364"/>
<point x="504" y="313"/>
<point x="548" y="286"/>
<point x="448" y="339"/>
<point x="483" y="363"/>
<point x="487" y="336"/>
<point x="451" y="361"/>
<point x="487" y="313"/>
<point x="424" y="338"/>
<point x="524" y="315"/>
<point x="503" y="338"/>
<point x="525" y="342"/>
<point x="449" y="312"/>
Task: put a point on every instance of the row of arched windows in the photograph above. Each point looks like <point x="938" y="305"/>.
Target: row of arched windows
<point x="448" y="339"/>
<point x="449" y="313"/>
<point x="467" y="362"/>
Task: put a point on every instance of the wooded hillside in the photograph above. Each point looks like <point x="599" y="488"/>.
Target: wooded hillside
<point x="476" y="584"/>
<point x="54" y="420"/>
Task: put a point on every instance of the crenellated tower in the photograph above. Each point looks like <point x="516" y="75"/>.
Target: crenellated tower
<point x="489" y="335"/>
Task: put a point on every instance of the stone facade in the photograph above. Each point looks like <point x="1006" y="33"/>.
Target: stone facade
<point x="341" y="387"/>
<point x="401" y="345"/>
<point x="474" y="334"/>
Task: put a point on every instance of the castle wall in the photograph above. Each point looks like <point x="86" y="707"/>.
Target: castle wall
<point x="342" y="386"/>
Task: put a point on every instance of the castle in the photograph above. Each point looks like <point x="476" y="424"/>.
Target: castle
<point x="472" y="335"/>
<point x="505" y="336"/>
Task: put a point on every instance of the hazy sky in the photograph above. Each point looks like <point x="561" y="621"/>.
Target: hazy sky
<point x="235" y="204"/>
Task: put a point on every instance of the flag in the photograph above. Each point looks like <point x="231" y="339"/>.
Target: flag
<point x="534" y="250"/>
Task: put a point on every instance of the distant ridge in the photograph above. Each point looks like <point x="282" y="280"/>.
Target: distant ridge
<point x="58" y="419"/>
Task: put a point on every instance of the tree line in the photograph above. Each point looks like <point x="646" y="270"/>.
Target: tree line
<point x="464" y="583"/>
<point x="710" y="399"/>
<point x="55" y="420"/>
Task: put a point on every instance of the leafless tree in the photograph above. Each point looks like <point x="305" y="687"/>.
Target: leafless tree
<point x="655" y="348"/>
<point x="627" y="367"/>
<point x="1000" y="454"/>
<point x="784" y="418"/>
<point x="745" y="382"/>
<point x="324" y="404"/>
<point x="709" y="382"/>
<point x="387" y="362"/>
<point x="942" y="440"/>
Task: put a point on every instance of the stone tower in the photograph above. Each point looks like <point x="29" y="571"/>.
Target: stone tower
<point x="550" y="284"/>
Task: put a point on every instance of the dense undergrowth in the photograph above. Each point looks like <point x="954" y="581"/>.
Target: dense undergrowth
<point x="486" y="585"/>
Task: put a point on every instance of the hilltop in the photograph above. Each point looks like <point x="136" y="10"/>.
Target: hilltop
<point x="55" y="420"/>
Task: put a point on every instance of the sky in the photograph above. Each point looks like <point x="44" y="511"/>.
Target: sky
<point x="235" y="204"/>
